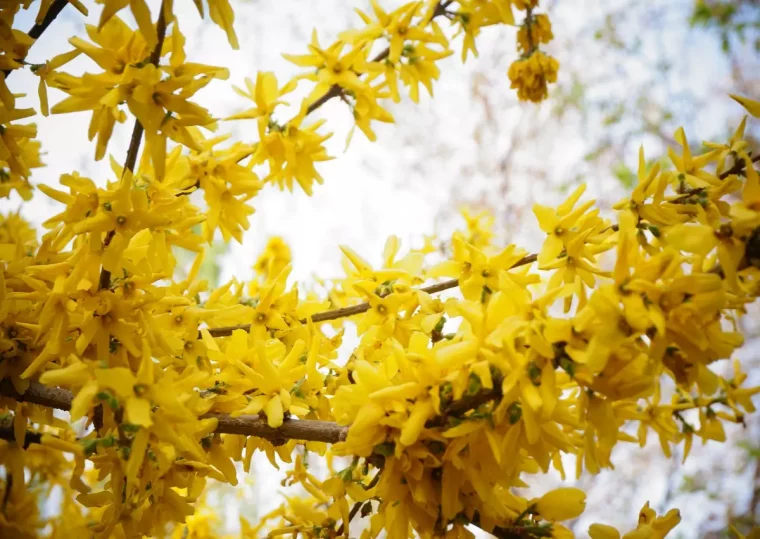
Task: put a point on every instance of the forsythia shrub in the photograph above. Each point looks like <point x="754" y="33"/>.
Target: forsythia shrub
<point x="444" y="407"/>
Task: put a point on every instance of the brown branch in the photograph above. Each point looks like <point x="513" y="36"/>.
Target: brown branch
<point x="291" y="429"/>
<point x="358" y="505"/>
<point x="37" y="30"/>
<point x="53" y="11"/>
<point x="336" y="90"/>
<point x="36" y="393"/>
<point x="8" y="433"/>
<point x="352" y="310"/>
<point x="137" y="133"/>
<point x="465" y="404"/>
<point x="738" y="167"/>
<point x="296" y="429"/>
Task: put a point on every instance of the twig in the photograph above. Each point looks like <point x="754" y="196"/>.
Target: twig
<point x="737" y="168"/>
<point x="53" y="11"/>
<point x="352" y="310"/>
<point x="358" y="505"/>
<point x="36" y="31"/>
<point x="335" y="90"/>
<point x="465" y="404"/>
<point x="7" y="433"/>
<point x="137" y="132"/>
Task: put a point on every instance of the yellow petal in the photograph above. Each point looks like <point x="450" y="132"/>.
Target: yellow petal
<point x="421" y="412"/>
<point x="138" y="412"/>
<point x="81" y="403"/>
<point x="602" y="531"/>
<point x="752" y="106"/>
<point x="561" y="504"/>
<point x="120" y="379"/>
<point x="136" y="456"/>
<point x="62" y="445"/>
<point x="273" y="410"/>
<point x="692" y="238"/>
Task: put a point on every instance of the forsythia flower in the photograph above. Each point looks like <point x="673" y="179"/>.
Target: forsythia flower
<point x="530" y="76"/>
<point x="531" y="34"/>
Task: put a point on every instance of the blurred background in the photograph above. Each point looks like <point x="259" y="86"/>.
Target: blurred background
<point x="631" y="72"/>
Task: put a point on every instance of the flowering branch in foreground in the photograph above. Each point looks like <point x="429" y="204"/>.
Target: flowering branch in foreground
<point x="457" y="400"/>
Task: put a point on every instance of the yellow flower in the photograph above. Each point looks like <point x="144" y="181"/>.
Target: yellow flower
<point x="266" y="95"/>
<point x="332" y="67"/>
<point x="532" y="33"/>
<point x="531" y="75"/>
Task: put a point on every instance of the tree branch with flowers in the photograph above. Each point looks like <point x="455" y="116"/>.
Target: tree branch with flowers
<point x="445" y="406"/>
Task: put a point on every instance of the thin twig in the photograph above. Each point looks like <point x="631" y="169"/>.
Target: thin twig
<point x="37" y="30"/>
<point x="358" y="505"/>
<point x="738" y="167"/>
<point x="134" y="143"/>
<point x="352" y="310"/>
<point x="335" y="90"/>
<point x="465" y="404"/>
<point x="8" y="433"/>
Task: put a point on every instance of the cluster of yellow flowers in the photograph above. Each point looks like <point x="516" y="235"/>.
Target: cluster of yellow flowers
<point x="534" y="70"/>
<point x="443" y="408"/>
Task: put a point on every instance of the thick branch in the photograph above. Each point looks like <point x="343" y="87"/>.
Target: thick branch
<point x="36" y="393"/>
<point x="291" y="429"/>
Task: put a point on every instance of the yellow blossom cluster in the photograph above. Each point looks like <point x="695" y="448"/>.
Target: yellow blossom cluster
<point x="534" y="70"/>
<point x="443" y="409"/>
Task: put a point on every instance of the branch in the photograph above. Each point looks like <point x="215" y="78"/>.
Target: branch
<point x="738" y="167"/>
<point x="336" y="90"/>
<point x="7" y="433"/>
<point x="358" y="505"/>
<point x="352" y="310"/>
<point x="36" y="31"/>
<point x="291" y="429"/>
<point x="137" y="132"/>
<point x="248" y="425"/>
<point x="36" y="393"/>
<point x="465" y="404"/>
<point x="519" y="529"/>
